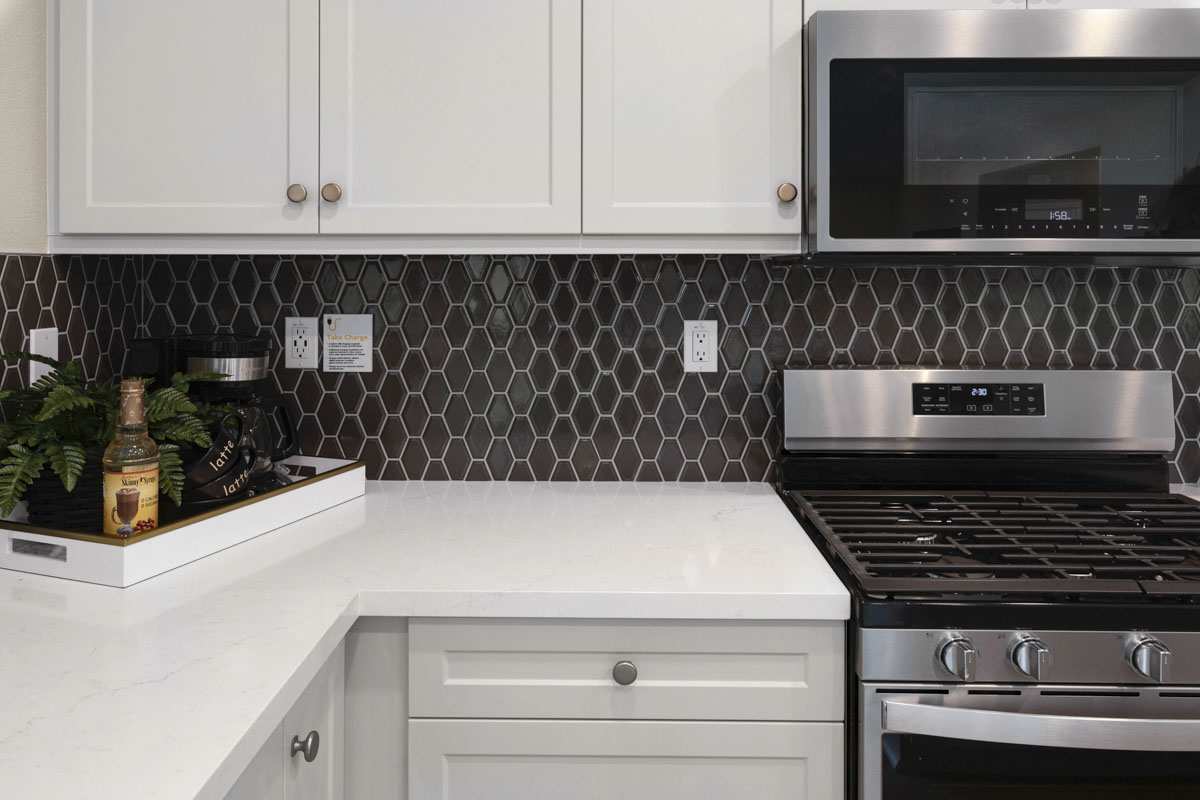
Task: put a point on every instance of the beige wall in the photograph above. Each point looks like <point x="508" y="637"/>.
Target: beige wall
<point x="22" y="126"/>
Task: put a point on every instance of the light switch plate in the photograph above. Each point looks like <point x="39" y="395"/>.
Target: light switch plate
<point x="42" y="342"/>
<point x="700" y="346"/>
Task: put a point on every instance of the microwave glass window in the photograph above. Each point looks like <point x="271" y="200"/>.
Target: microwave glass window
<point x="1023" y="148"/>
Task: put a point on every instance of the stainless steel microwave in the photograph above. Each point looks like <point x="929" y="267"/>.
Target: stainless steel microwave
<point x="1040" y="133"/>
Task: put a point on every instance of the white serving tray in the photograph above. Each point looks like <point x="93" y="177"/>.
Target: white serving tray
<point x="124" y="562"/>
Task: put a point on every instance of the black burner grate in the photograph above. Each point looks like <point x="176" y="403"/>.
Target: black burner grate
<point x="1054" y="544"/>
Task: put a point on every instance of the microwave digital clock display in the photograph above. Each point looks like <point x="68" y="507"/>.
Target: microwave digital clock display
<point x="1054" y="210"/>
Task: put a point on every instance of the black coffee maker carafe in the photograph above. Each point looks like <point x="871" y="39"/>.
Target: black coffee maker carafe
<point x="268" y="432"/>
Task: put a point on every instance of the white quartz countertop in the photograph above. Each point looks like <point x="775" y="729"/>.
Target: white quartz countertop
<point x="166" y="689"/>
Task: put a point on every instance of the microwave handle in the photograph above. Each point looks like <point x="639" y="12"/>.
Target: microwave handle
<point x="1041" y="730"/>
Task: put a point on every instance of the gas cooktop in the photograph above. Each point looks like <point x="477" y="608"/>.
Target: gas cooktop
<point x="944" y="545"/>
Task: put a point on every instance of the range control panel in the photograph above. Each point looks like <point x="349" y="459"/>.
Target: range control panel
<point x="979" y="399"/>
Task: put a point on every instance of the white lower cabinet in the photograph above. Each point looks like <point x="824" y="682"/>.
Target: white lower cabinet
<point x="583" y="709"/>
<point x="600" y="760"/>
<point x="263" y="779"/>
<point x="312" y="729"/>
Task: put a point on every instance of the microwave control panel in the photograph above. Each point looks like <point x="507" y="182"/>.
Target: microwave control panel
<point x="979" y="399"/>
<point x="1003" y="213"/>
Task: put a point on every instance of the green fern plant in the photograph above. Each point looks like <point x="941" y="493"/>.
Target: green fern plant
<point x="53" y="423"/>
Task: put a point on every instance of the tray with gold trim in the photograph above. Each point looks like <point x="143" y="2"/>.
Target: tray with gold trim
<point x="316" y="484"/>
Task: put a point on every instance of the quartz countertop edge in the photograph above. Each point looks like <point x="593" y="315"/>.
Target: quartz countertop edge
<point x="166" y="689"/>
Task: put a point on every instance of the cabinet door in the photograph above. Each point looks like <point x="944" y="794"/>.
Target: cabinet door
<point x="691" y="116"/>
<point x="455" y="116"/>
<point x="594" y="760"/>
<point x="263" y="779"/>
<point x="813" y="6"/>
<point x="322" y="709"/>
<point x="187" y="117"/>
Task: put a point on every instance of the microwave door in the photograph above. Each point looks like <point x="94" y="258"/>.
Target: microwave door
<point x="977" y="132"/>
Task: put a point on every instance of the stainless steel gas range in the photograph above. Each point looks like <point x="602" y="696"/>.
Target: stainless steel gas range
<point x="1026" y="591"/>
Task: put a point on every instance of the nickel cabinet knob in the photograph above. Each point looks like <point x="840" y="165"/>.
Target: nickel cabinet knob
<point x="331" y="192"/>
<point x="296" y="193"/>
<point x="309" y="745"/>
<point x="786" y="192"/>
<point x="624" y="673"/>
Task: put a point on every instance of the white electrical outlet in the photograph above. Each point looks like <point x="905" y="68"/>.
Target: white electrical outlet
<point x="42" y="342"/>
<point x="700" y="346"/>
<point x="300" y="340"/>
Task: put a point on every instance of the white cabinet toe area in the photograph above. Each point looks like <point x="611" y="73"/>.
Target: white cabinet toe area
<point x="601" y="760"/>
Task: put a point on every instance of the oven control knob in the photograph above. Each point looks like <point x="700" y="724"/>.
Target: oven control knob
<point x="958" y="656"/>
<point x="1150" y="658"/>
<point x="1031" y="656"/>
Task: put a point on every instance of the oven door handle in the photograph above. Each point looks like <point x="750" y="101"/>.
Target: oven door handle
<point x="1041" y="730"/>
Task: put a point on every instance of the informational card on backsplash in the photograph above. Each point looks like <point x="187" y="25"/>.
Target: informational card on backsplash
<point x="348" y="345"/>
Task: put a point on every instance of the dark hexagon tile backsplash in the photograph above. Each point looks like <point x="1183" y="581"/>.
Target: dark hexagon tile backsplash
<point x="569" y="368"/>
<point x="91" y="304"/>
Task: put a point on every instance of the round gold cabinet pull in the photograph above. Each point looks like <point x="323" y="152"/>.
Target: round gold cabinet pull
<point x="331" y="192"/>
<point x="297" y="193"/>
<point x="786" y="192"/>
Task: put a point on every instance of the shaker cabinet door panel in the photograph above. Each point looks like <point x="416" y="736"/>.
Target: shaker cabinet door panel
<point x="187" y="118"/>
<point x="451" y="117"/>
<point x="691" y="116"/>
<point x="593" y="760"/>
<point x="322" y="709"/>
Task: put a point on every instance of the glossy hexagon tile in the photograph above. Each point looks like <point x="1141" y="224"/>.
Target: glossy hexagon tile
<point x="90" y="299"/>
<point x="568" y="368"/>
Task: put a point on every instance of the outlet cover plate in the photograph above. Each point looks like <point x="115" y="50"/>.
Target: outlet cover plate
<point x="700" y="346"/>
<point x="300" y="342"/>
<point x="42" y="342"/>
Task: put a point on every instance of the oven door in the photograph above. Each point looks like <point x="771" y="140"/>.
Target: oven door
<point x="977" y="131"/>
<point x="936" y="742"/>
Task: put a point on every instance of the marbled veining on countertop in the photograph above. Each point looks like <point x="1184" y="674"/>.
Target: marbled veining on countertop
<point x="151" y="691"/>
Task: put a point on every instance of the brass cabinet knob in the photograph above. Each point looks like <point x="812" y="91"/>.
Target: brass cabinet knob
<point x="331" y="192"/>
<point x="297" y="193"/>
<point x="786" y="192"/>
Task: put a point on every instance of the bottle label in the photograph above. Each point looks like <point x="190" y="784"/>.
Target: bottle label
<point x="130" y="502"/>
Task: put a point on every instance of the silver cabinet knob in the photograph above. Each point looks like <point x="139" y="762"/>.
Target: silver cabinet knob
<point x="624" y="673"/>
<point x="296" y="193"/>
<point x="1031" y="656"/>
<point x="1150" y="658"/>
<point x="331" y="192"/>
<point x="786" y="192"/>
<point x="958" y="656"/>
<point x="309" y="745"/>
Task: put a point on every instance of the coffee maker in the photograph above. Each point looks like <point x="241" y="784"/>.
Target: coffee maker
<point x="267" y="430"/>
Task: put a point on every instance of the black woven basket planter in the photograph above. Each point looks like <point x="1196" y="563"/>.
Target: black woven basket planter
<point x="78" y="511"/>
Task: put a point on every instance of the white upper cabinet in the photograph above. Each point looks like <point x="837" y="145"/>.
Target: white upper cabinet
<point x="813" y="6"/>
<point x="187" y="118"/>
<point x="691" y="116"/>
<point x="450" y="117"/>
